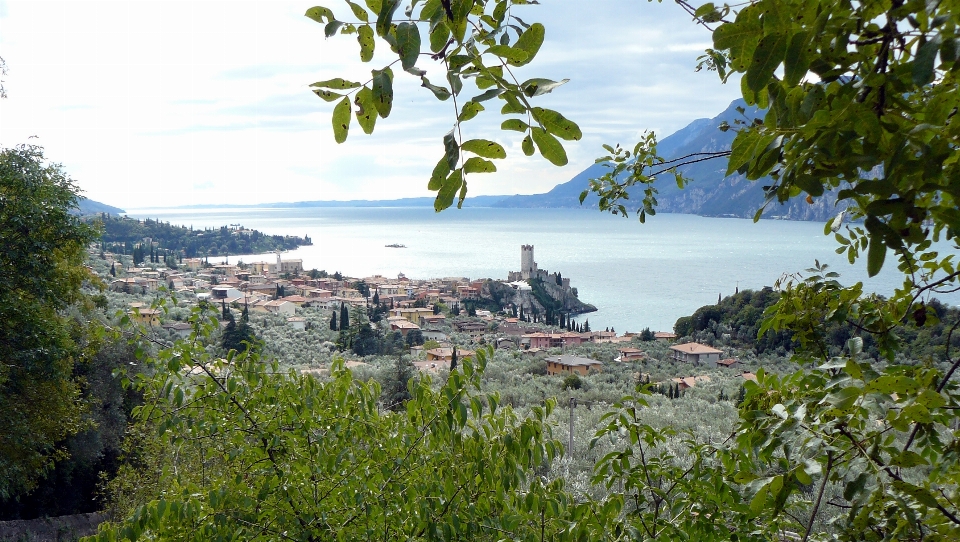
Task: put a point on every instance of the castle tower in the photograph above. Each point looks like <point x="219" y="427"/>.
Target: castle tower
<point x="528" y="267"/>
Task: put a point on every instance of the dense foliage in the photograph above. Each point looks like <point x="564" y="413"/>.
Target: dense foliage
<point x="251" y="452"/>
<point x="41" y="272"/>
<point x="121" y="234"/>
<point x="859" y="99"/>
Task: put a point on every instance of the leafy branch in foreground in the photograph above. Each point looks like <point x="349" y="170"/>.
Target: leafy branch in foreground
<point x="248" y="451"/>
<point x="476" y="41"/>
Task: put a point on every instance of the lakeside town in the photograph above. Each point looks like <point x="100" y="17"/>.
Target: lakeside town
<point x="518" y="313"/>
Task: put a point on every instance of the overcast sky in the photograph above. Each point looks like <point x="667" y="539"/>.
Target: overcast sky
<point x="176" y="103"/>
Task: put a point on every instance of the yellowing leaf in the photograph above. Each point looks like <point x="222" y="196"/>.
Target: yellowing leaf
<point x="341" y="120"/>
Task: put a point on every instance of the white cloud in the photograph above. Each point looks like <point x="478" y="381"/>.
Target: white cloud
<point x="171" y="103"/>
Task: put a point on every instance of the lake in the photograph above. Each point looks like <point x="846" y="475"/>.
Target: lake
<point x="637" y="275"/>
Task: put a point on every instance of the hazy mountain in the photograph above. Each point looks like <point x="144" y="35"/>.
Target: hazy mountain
<point x="709" y="193"/>
<point x="426" y="201"/>
<point x="90" y="207"/>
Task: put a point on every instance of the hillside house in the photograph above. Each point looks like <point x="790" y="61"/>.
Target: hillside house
<point x="145" y="317"/>
<point x="689" y="381"/>
<point x="627" y="354"/>
<point x="470" y="327"/>
<point x="297" y="322"/>
<point x="224" y="293"/>
<point x="279" y="306"/>
<point x="412" y="314"/>
<point x="695" y="353"/>
<point x="403" y="326"/>
<point x="182" y="329"/>
<point x="558" y="365"/>
<point x="554" y="340"/>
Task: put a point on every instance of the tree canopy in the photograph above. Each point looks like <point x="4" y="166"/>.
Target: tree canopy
<point x="41" y="270"/>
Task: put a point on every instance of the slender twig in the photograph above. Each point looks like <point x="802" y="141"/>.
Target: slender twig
<point x="816" y="505"/>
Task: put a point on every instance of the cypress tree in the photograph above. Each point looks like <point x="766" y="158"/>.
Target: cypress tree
<point x="344" y="316"/>
<point x="333" y="320"/>
<point x="113" y="269"/>
<point x="453" y="359"/>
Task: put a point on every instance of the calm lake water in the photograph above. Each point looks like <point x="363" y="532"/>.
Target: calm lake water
<point x="637" y="275"/>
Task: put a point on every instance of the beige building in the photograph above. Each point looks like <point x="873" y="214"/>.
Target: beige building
<point x="557" y="365"/>
<point x="695" y="353"/>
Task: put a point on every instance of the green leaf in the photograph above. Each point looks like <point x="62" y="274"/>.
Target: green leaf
<point x="367" y="42"/>
<point x="796" y="60"/>
<point x="327" y="95"/>
<point x="923" y="63"/>
<point x="855" y="346"/>
<point x="336" y="83"/>
<point x="855" y="486"/>
<point x="527" y="145"/>
<point x="341" y="120"/>
<point x="385" y="16"/>
<point x="366" y="110"/>
<point x="923" y="496"/>
<point x="452" y="149"/>
<point x="319" y="14"/>
<point x="549" y="146"/>
<point x="470" y="109"/>
<point x="767" y="56"/>
<point x="478" y="165"/>
<point x="374" y="5"/>
<point x="742" y="150"/>
<point x="516" y="125"/>
<point x="448" y="191"/>
<point x="408" y="42"/>
<point x="511" y="54"/>
<point x="331" y="28"/>
<point x="875" y="255"/>
<point x="931" y="399"/>
<point x="758" y="501"/>
<point x="704" y="9"/>
<point x="901" y="385"/>
<point x="439" y="174"/>
<point x="383" y="91"/>
<point x="513" y="104"/>
<point x="557" y="124"/>
<point x="492" y="93"/>
<point x="484" y="148"/>
<point x="358" y="11"/>
<point x="439" y="36"/>
<point x="538" y="87"/>
<point x="529" y="42"/>
<point x="441" y="93"/>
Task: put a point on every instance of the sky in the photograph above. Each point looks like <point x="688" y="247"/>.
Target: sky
<point x="169" y="103"/>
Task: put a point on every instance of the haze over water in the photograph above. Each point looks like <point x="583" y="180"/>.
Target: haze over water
<point x="637" y="275"/>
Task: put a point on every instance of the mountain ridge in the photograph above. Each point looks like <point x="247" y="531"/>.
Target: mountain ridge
<point x="710" y="192"/>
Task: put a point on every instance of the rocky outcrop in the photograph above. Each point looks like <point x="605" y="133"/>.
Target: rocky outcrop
<point x="544" y="295"/>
